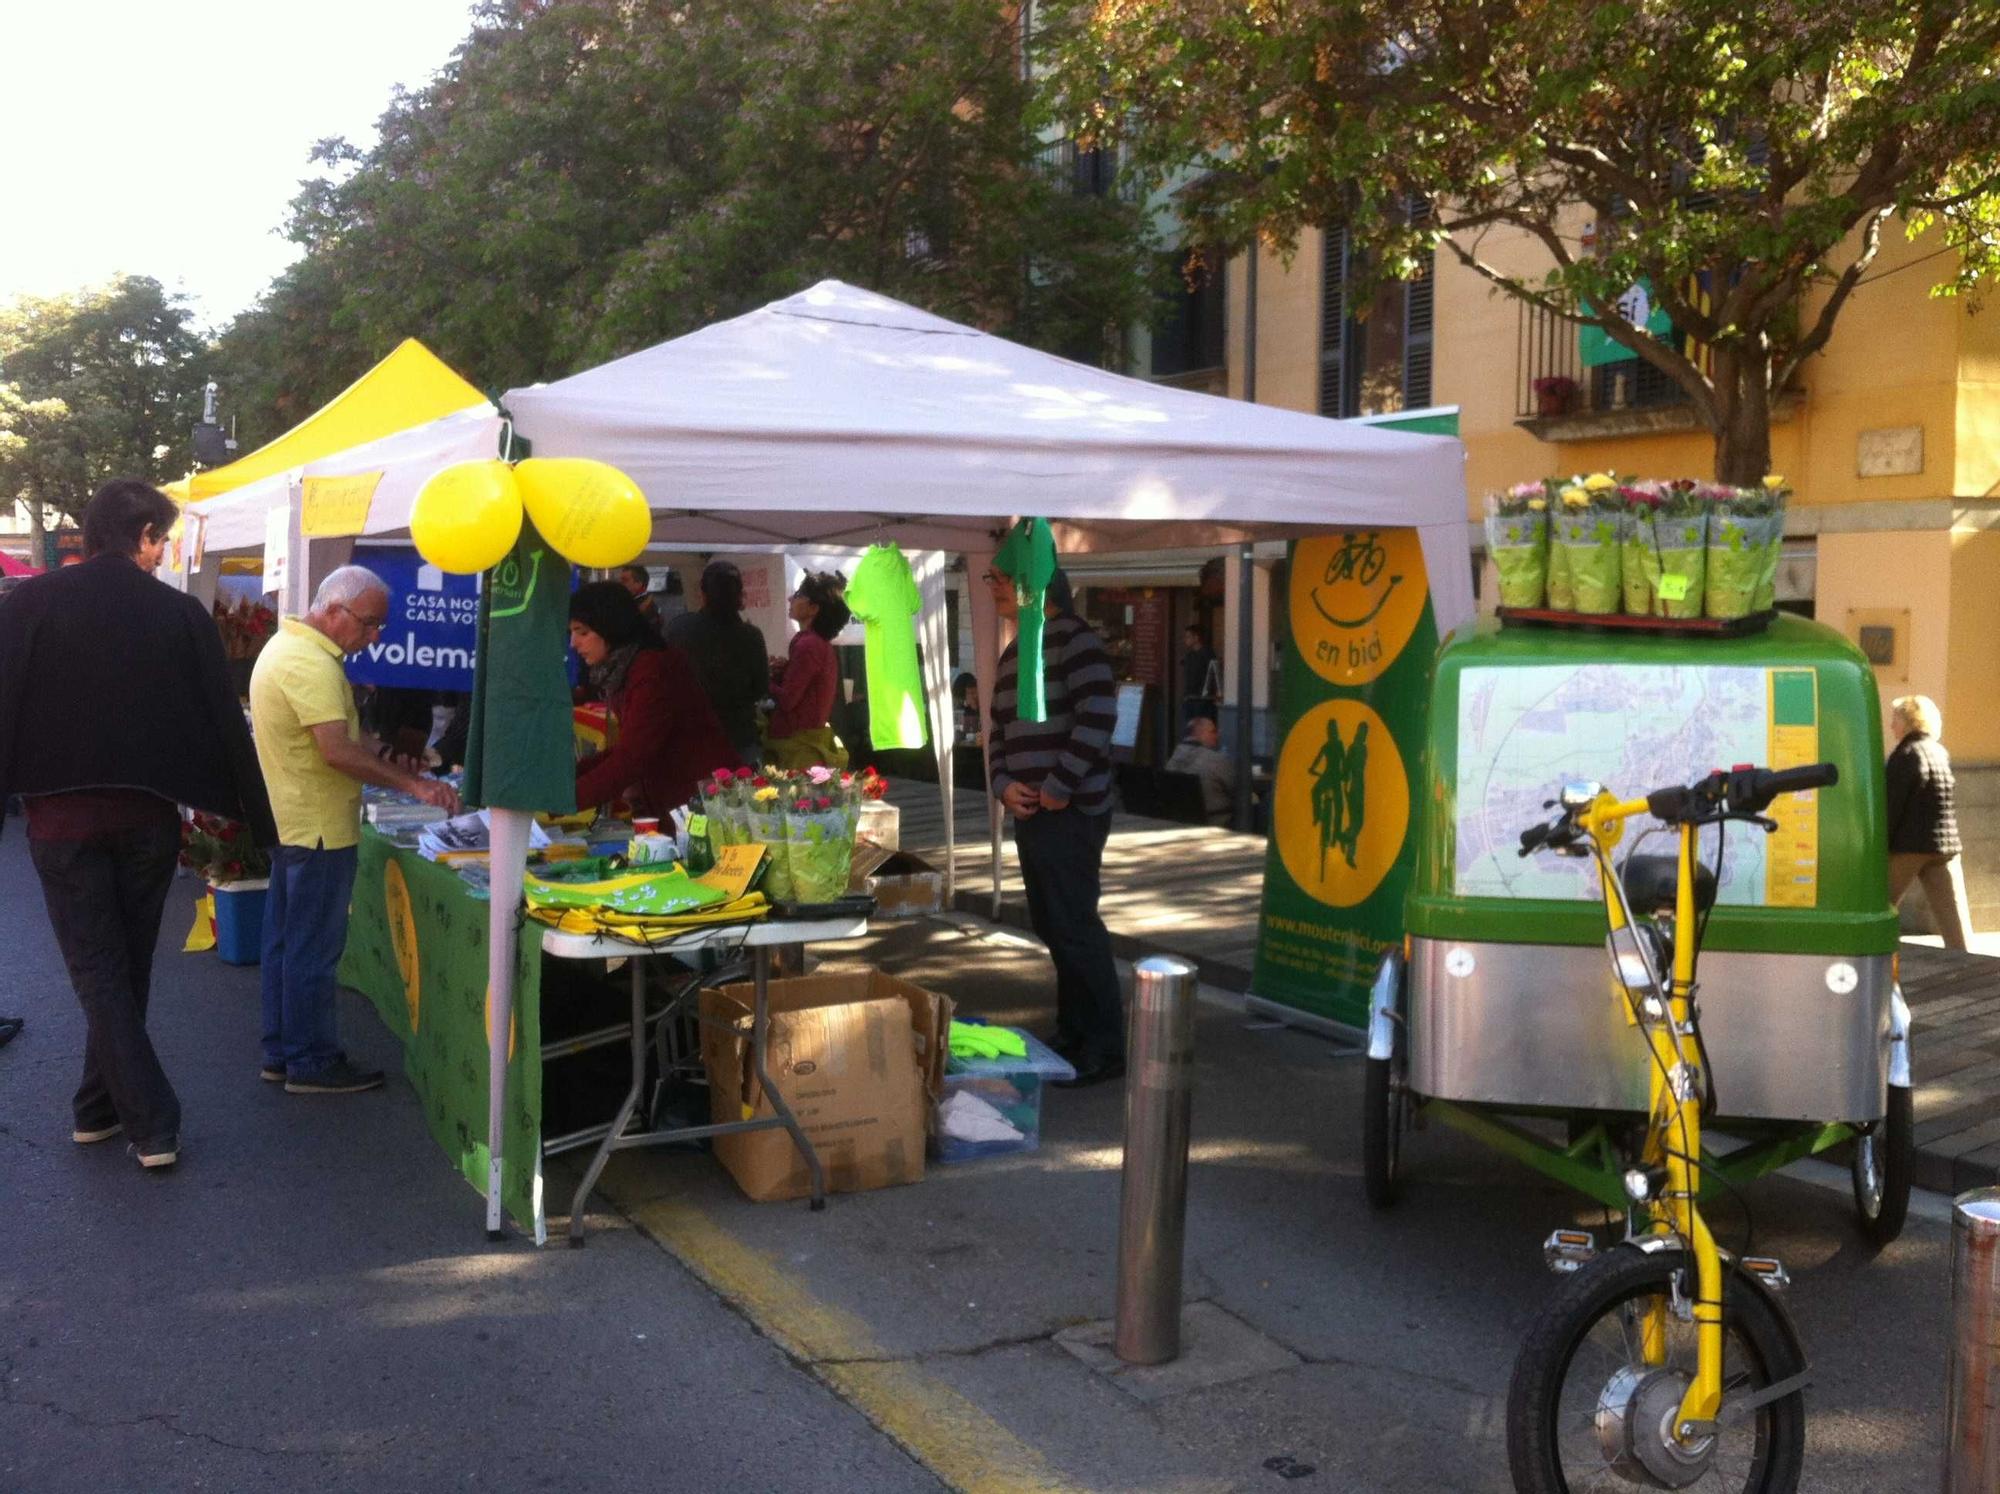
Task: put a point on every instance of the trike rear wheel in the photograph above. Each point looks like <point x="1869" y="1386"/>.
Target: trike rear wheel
<point x="1585" y="1411"/>
<point x="1884" y="1156"/>
<point x="1383" y="1103"/>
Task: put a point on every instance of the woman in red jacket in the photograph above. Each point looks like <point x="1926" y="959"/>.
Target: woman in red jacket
<point x="668" y="735"/>
<point x="806" y="680"/>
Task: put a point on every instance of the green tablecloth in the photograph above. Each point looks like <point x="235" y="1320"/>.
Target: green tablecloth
<point x="416" y="947"/>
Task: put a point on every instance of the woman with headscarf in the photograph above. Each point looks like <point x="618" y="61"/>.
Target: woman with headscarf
<point x="668" y="736"/>
<point x="808" y="677"/>
<point x="729" y="655"/>
<point x="1923" y="822"/>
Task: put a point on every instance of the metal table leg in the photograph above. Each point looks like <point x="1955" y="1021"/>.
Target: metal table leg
<point x="610" y="1142"/>
<point x="760" y="1023"/>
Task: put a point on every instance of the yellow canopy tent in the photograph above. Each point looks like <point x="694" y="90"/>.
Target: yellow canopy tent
<point x="409" y="388"/>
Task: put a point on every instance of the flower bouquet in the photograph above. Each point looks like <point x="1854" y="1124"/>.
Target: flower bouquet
<point x="1664" y="548"/>
<point x="1588" y="520"/>
<point x="1517" y="537"/>
<point x="1746" y="529"/>
<point x="221" y="851"/>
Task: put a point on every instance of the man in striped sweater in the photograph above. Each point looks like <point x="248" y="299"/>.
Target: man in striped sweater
<point x="1054" y="777"/>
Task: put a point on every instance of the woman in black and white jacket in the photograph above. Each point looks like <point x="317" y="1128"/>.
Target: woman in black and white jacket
<point x="1923" y="826"/>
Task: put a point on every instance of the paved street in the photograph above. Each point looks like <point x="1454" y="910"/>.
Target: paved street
<point x="309" y="1301"/>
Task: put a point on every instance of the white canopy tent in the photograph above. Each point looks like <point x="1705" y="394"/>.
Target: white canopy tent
<point x="841" y="417"/>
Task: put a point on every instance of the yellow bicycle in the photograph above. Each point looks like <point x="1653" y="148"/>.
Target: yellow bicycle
<point x="1662" y="1363"/>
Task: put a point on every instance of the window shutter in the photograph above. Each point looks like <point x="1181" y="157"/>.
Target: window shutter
<point x="1334" y="328"/>
<point x="1419" y="301"/>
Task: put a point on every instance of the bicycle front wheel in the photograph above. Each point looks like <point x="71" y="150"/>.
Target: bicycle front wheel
<point x="1586" y="1413"/>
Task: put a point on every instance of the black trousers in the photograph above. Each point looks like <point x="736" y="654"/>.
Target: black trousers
<point x="105" y="896"/>
<point x="1062" y="866"/>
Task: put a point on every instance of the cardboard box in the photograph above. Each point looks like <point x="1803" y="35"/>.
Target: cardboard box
<point x="859" y="1056"/>
<point x="905" y="886"/>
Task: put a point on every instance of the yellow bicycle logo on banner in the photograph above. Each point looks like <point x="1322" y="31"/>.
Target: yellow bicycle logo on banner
<point x="1357" y="597"/>
<point x="1343" y="802"/>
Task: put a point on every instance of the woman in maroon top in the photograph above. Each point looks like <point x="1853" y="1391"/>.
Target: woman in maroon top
<point x="806" y="679"/>
<point x="668" y="735"/>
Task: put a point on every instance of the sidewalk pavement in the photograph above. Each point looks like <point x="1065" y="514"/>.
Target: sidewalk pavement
<point x="1329" y="1347"/>
<point x="1194" y="891"/>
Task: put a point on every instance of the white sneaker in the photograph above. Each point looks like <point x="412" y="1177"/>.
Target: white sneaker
<point x="162" y="1154"/>
<point x="102" y="1133"/>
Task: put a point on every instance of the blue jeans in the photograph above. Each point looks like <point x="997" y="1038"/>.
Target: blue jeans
<point x="305" y="929"/>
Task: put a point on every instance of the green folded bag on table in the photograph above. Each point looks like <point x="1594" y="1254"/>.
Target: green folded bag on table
<point x="661" y="893"/>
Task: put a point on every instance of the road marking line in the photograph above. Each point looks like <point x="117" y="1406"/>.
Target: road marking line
<point x="936" y="1425"/>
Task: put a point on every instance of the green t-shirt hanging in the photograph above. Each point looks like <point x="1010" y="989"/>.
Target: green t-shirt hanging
<point x="884" y="595"/>
<point x="520" y="753"/>
<point x="1028" y="554"/>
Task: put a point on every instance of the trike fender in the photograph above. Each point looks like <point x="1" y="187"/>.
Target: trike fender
<point x="1899" y="1038"/>
<point x="1385" y="1006"/>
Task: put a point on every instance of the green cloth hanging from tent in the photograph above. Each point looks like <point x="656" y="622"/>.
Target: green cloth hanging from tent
<point x="520" y="753"/>
<point x="1028" y="557"/>
<point x="884" y="595"/>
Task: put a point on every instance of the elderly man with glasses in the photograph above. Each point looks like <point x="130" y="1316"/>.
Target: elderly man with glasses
<point x="309" y="744"/>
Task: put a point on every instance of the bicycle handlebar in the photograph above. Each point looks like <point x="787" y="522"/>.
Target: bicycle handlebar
<point x="1742" y="791"/>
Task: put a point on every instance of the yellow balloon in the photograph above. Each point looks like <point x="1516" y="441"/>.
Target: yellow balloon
<point x="590" y="513"/>
<point x="467" y="517"/>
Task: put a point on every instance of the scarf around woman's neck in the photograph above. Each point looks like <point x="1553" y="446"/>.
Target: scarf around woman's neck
<point x="607" y="678"/>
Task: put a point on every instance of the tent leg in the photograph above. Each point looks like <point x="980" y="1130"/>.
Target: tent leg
<point x="509" y="860"/>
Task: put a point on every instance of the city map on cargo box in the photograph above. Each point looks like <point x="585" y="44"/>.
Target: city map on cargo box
<point x="1524" y="732"/>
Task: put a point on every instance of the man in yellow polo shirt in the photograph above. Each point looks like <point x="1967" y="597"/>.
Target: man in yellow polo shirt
<point x="309" y="746"/>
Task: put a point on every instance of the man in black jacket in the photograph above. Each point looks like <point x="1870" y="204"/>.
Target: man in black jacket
<point x="115" y="707"/>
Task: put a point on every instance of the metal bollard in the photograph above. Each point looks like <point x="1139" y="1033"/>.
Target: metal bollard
<point x="1152" y="1205"/>
<point x="1972" y="1396"/>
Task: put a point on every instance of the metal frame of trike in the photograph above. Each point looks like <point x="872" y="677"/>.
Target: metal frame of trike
<point x="1593" y="1164"/>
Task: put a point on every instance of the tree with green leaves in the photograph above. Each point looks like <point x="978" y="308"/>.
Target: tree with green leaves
<point x="1744" y="158"/>
<point x="588" y="177"/>
<point x="100" y="383"/>
<point x="33" y="458"/>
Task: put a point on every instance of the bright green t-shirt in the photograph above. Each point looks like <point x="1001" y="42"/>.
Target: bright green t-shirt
<point x="1028" y="554"/>
<point x="884" y="595"/>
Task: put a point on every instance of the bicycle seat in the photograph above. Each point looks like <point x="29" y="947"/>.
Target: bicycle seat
<point x="1650" y="882"/>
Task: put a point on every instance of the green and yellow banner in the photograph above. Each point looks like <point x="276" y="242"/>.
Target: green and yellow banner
<point x="1353" y="698"/>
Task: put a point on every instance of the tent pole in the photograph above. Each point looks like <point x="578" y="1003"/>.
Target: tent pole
<point x="509" y="864"/>
<point x="1246" y="693"/>
<point x="986" y="669"/>
<point x="932" y="581"/>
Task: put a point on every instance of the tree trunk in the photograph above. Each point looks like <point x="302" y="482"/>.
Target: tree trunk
<point x="38" y="554"/>
<point x="1742" y="426"/>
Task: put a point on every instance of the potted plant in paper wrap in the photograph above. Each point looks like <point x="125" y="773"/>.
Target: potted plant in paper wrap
<point x="238" y="874"/>
<point x="1517" y="537"/>
<point x="1664" y="548"/>
<point x="1587" y="521"/>
<point x="1746" y="527"/>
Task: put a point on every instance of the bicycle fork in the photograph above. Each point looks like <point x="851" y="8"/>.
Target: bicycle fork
<point x="1673" y="1140"/>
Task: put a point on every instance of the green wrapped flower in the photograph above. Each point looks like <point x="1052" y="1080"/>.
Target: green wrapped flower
<point x="1742" y="561"/>
<point x="1517" y="537"/>
<point x="1589" y="535"/>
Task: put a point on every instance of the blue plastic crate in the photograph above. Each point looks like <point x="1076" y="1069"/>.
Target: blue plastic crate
<point x="1012" y="1086"/>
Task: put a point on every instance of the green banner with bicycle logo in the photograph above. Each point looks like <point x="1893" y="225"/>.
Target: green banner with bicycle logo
<point x="1353" y="697"/>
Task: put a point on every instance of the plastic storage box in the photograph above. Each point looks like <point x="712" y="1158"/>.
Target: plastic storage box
<point x="239" y="921"/>
<point x="1012" y="1087"/>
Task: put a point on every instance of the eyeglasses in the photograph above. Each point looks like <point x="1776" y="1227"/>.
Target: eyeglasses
<point x="372" y="624"/>
<point x="994" y="578"/>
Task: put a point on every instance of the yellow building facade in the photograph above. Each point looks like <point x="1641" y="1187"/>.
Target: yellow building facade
<point x="1890" y="438"/>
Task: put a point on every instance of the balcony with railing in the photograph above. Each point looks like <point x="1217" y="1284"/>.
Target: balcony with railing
<point x="1560" y="398"/>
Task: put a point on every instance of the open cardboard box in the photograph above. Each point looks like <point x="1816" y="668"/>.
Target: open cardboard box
<point x="905" y="885"/>
<point x="860" y="1058"/>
